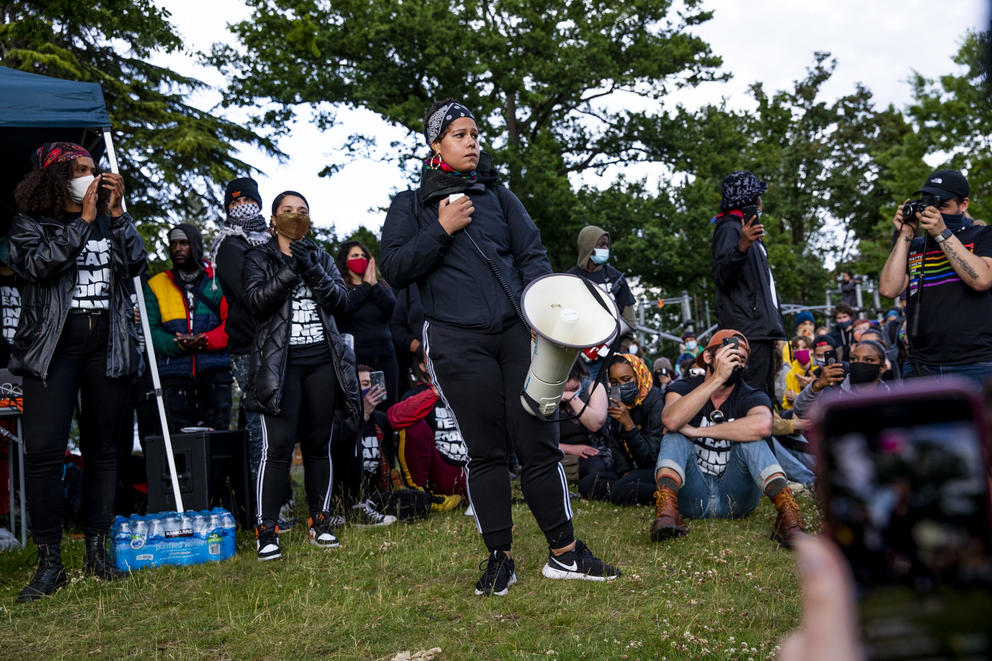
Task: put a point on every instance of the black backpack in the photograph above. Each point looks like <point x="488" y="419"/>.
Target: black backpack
<point x="405" y="504"/>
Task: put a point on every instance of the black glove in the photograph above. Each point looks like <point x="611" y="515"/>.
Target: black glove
<point x="304" y="253"/>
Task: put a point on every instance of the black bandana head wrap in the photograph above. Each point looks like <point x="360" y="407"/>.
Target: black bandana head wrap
<point x="740" y="189"/>
<point x="441" y="118"/>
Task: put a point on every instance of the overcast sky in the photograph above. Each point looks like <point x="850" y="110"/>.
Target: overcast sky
<point x="877" y="43"/>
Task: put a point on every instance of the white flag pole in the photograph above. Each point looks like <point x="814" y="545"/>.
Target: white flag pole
<point x="152" y="363"/>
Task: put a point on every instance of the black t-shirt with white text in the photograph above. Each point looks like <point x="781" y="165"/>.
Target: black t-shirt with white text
<point x="956" y="320"/>
<point x="712" y="455"/>
<point x="306" y="332"/>
<point x="609" y="280"/>
<point x="92" y="290"/>
<point x="10" y="305"/>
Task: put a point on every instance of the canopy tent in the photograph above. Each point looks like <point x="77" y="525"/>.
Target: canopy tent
<point x="37" y="109"/>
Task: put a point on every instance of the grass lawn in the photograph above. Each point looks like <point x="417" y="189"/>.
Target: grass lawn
<point x="726" y="591"/>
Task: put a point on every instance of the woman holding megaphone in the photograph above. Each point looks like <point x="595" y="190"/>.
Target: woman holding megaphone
<point x="471" y="247"/>
<point x="298" y="358"/>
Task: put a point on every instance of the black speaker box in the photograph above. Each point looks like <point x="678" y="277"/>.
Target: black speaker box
<point x="213" y="472"/>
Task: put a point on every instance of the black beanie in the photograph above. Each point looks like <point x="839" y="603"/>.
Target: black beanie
<point x="242" y="187"/>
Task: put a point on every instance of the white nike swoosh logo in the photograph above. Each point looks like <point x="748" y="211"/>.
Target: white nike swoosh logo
<point x="574" y="566"/>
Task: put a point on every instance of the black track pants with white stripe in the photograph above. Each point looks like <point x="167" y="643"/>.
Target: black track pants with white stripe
<point x="480" y="376"/>
<point x="306" y="415"/>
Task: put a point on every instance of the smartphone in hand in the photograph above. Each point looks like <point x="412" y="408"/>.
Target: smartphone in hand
<point x="614" y="394"/>
<point x="378" y="378"/>
<point x="904" y="484"/>
<point x="750" y="212"/>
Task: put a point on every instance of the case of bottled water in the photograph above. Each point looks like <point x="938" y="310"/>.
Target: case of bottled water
<point x="173" y="538"/>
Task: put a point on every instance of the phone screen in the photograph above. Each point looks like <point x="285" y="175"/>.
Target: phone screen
<point x="377" y="378"/>
<point x="906" y="494"/>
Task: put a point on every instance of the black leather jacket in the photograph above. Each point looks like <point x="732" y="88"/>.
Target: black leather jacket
<point x="43" y="253"/>
<point x="269" y="281"/>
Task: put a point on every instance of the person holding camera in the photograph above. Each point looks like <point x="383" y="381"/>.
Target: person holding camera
<point x="301" y="370"/>
<point x="75" y="250"/>
<point x="471" y="247"/>
<point x="947" y="273"/>
<point x="715" y="462"/>
<point x="746" y="298"/>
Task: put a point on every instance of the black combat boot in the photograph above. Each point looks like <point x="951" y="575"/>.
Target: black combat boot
<point x="50" y="575"/>
<point x="96" y="562"/>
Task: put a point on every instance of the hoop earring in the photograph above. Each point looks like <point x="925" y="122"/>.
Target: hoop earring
<point x="436" y="160"/>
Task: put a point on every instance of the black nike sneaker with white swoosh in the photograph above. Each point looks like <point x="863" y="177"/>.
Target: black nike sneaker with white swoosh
<point x="579" y="563"/>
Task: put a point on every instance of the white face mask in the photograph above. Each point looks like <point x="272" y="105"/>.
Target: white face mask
<point x="632" y="349"/>
<point x="78" y="187"/>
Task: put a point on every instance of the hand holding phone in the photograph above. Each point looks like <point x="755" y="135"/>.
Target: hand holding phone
<point x="903" y="478"/>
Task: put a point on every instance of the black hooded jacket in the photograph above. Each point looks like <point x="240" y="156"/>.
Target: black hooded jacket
<point x="269" y="280"/>
<point x="457" y="287"/>
<point x="43" y="253"/>
<point x="743" y="286"/>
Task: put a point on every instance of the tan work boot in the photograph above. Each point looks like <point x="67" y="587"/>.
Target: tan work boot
<point x="668" y="522"/>
<point x="789" y="522"/>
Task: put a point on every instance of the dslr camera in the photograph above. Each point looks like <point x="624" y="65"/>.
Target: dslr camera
<point x="914" y="207"/>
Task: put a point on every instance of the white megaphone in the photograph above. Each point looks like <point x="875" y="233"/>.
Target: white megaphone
<point x="564" y="312"/>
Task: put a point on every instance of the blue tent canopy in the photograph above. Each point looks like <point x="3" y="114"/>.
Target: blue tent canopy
<point x="33" y="100"/>
<point x="37" y="109"/>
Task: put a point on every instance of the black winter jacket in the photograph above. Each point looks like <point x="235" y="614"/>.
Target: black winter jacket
<point x="743" y="286"/>
<point x="638" y="448"/>
<point x="457" y="287"/>
<point x="240" y="325"/>
<point x="43" y="253"/>
<point x="269" y="280"/>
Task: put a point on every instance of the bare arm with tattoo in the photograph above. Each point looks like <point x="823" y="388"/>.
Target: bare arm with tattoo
<point x="974" y="270"/>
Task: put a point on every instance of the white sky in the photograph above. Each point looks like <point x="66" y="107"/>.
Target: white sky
<point x="876" y="42"/>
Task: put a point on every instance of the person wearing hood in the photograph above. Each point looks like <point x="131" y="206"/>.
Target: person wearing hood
<point x="947" y="273"/>
<point x="842" y="333"/>
<point x="593" y="265"/>
<point x="187" y="314"/>
<point x="244" y="227"/>
<point x="865" y="370"/>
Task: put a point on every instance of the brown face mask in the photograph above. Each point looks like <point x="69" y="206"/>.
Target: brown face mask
<point x="293" y="226"/>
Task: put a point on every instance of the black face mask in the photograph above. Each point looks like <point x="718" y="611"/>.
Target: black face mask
<point x="844" y="324"/>
<point x="628" y="393"/>
<point x="864" y="373"/>
<point x="954" y="221"/>
<point x="735" y="376"/>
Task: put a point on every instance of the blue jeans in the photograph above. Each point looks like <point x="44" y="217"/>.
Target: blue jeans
<point x="253" y="423"/>
<point x="799" y="466"/>
<point x="735" y="493"/>
<point x="977" y="372"/>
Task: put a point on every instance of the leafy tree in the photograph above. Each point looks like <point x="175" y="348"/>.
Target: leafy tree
<point x="537" y="74"/>
<point x="173" y="156"/>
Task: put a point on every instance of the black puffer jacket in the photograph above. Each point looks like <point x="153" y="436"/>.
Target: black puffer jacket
<point x="269" y="280"/>
<point x="638" y="448"/>
<point x="43" y="252"/>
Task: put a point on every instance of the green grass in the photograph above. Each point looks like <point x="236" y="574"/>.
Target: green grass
<point x="723" y="592"/>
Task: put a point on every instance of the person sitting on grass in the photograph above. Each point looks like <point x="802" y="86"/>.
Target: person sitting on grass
<point x="715" y="462"/>
<point x="625" y="476"/>
<point x="429" y="446"/>
<point x="865" y="370"/>
<point x="580" y="437"/>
